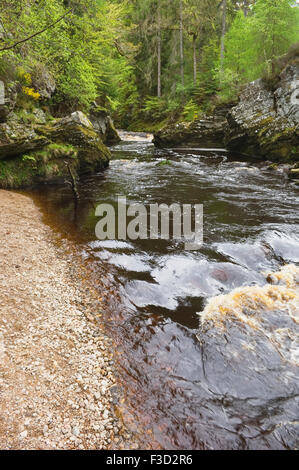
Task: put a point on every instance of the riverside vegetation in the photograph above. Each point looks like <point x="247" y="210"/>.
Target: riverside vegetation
<point x="149" y="64"/>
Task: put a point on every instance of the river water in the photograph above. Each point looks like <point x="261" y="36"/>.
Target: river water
<point x="159" y="288"/>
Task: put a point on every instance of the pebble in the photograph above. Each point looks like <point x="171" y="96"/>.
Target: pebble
<point x="55" y="356"/>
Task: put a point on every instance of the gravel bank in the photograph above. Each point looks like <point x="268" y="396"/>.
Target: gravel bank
<point x="56" y="366"/>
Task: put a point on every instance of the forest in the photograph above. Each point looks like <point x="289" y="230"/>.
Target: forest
<point x="144" y="61"/>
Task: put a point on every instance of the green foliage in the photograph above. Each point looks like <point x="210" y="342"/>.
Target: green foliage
<point x="255" y="42"/>
<point x="191" y="111"/>
<point x="28" y="157"/>
<point x="164" y="162"/>
<point x="107" y="51"/>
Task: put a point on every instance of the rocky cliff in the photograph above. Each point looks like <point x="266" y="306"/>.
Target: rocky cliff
<point x="263" y="124"/>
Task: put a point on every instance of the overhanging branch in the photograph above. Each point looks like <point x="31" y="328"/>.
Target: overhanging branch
<point x="7" y="48"/>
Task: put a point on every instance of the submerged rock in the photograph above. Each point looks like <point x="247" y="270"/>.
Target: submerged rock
<point x="250" y="359"/>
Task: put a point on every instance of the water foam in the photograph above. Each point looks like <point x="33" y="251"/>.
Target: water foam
<point x="247" y="304"/>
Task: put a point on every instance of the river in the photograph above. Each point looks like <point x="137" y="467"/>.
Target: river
<point x="159" y="288"/>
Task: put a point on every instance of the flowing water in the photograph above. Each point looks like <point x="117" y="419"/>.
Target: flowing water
<point x="250" y="222"/>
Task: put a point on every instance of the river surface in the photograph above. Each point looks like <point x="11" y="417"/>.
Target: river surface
<point x="159" y="288"/>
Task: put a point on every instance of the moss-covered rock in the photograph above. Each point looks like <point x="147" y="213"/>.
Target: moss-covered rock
<point x="32" y="153"/>
<point x="206" y="132"/>
<point x="45" y="165"/>
<point x="17" y="138"/>
<point x="78" y="131"/>
<point x="265" y="123"/>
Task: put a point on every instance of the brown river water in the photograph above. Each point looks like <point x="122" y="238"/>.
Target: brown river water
<point x="157" y="291"/>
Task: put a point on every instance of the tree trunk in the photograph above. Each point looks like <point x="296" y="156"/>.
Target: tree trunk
<point x="246" y="7"/>
<point x="194" y="59"/>
<point x="224" y="5"/>
<point x="181" y="42"/>
<point x="159" y="92"/>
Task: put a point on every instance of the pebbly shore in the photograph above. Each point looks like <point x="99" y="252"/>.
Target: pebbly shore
<point x="56" y="364"/>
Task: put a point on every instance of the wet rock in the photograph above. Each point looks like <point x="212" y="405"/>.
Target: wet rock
<point x="103" y="125"/>
<point x="294" y="173"/>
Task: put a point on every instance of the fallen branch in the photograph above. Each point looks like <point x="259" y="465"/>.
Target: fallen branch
<point x="7" y="48"/>
<point x="73" y="181"/>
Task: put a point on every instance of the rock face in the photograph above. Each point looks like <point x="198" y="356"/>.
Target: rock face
<point x="42" y="152"/>
<point x="8" y="96"/>
<point x="16" y="139"/>
<point x="43" y="81"/>
<point x="103" y="124"/>
<point x="265" y="123"/>
<point x="208" y="132"/>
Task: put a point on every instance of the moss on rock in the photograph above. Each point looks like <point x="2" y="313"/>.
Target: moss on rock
<point x="36" y="153"/>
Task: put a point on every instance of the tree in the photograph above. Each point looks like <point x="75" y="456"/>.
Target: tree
<point x="256" y="40"/>
<point x="182" y="43"/>
<point x="223" y="31"/>
<point x="274" y="27"/>
<point x="159" y="48"/>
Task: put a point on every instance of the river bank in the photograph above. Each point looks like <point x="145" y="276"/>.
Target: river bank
<point x="57" y="379"/>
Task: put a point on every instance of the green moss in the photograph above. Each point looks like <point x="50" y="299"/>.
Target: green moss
<point x="38" y="166"/>
<point x="143" y="126"/>
<point x="77" y="144"/>
<point x="266" y="121"/>
<point x="164" y="162"/>
<point x="286" y="133"/>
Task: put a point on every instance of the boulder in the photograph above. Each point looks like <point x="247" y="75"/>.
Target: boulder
<point x="103" y="124"/>
<point x="17" y="139"/>
<point x="78" y="131"/>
